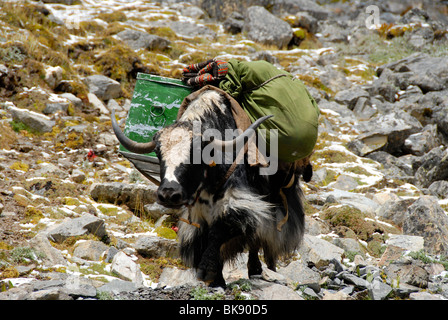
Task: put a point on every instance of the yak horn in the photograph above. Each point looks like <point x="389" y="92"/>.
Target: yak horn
<point x="130" y="145"/>
<point x="223" y="144"/>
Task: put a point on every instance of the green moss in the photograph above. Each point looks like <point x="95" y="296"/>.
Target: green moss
<point x="24" y="255"/>
<point x="315" y="82"/>
<point x="19" y="166"/>
<point x="165" y="232"/>
<point x="154" y="267"/>
<point x="333" y="156"/>
<point x="32" y="215"/>
<point x="200" y="293"/>
<point x="8" y="136"/>
<point x="122" y="64"/>
<point x="9" y="272"/>
<point x="113" y="16"/>
<point x="352" y="218"/>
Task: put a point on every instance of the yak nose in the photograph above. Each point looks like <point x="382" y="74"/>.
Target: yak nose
<point x="169" y="196"/>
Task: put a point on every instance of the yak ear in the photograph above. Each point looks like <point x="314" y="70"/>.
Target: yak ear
<point x="308" y="173"/>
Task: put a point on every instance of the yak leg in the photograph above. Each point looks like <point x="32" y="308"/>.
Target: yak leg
<point x="210" y="268"/>
<point x="253" y="264"/>
<point x="270" y="259"/>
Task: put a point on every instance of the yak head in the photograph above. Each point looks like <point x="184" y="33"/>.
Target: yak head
<point x="179" y="147"/>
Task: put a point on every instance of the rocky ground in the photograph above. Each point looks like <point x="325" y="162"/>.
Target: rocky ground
<point x="77" y="221"/>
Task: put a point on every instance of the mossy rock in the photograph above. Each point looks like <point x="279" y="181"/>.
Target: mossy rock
<point x="120" y="63"/>
<point x="10" y="272"/>
<point x="353" y="219"/>
<point x="19" y="166"/>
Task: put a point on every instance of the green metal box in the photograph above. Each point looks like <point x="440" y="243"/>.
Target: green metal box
<point x="154" y="105"/>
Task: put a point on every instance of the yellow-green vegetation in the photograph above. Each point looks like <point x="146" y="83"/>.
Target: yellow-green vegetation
<point x="9" y="272"/>
<point x="113" y="16"/>
<point x="153" y="267"/>
<point x="33" y="18"/>
<point x="74" y="140"/>
<point x="315" y="82"/>
<point x="10" y="258"/>
<point x="122" y="64"/>
<point x="8" y="136"/>
<point x="165" y="232"/>
<point x="332" y="156"/>
<point x="32" y="215"/>
<point x="20" y="166"/>
<point x="201" y="293"/>
<point x="380" y="49"/>
<point x="351" y="222"/>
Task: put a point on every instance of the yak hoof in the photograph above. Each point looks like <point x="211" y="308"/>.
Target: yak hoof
<point x="206" y="275"/>
<point x="211" y="278"/>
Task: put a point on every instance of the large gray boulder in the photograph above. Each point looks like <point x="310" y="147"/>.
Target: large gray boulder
<point x="142" y="40"/>
<point x="191" y="30"/>
<point x="385" y="132"/>
<point x="427" y="219"/>
<point x="428" y="73"/>
<point x="154" y="247"/>
<point x="132" y="195"/>
<point x="84" y="225"/>
<point x="433" y="167"/>
<point x="103" y="87"/>
<point x="263" y="27"/>
<point x="35" y="121"/>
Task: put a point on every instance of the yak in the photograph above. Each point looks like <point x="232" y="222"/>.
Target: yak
<point x="223" y="215"/>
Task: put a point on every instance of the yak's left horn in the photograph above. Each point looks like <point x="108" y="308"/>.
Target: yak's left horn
<point x="129" y="144"/>
<point x="223" y="144"/>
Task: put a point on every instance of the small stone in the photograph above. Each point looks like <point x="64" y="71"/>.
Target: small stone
<point x="126" y="268"/>
<point x="53" y="76"/>
<point x="90" y="250"/>
<point x="154" y="247"/>
<point x="51" y="108"/>
<point x="103" y="87"/>
<point x="116" y="286"/>
<point x="379" y="290"/>
<point x="339" y="295"/>
<point x="425" y="296"/>
<point x="78" y="176"/>
<point x="86" y="224"/>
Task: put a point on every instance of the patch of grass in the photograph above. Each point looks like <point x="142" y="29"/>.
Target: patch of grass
<point x="200" y="293"/>
<point x="25" y="255"/>
<point x="421" y="255"/>
<point x="8" y="136"/>
<point x="153" y="267"/>
<point x="315" y="82"/>
<point x="346" y="216"/>
<point x="32" y="215"/>
<point x="19" y="166"/>
<point x="380" y="50"/>
<point x="332" y="156"/>
<point x="113" y="16"/>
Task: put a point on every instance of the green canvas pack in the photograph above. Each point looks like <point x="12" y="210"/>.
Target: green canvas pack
<point x="262" y="89"/>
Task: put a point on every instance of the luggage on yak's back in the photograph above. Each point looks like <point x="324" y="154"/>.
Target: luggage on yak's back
<point x="154" y="105"/>
<point x="262" y="89"/>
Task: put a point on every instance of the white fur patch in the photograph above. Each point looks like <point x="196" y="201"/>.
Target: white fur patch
<point x="242" y="199"/>
<point x="235" y="199"/>
<point x="175" y="145"/>
<point x="204" y="103"/>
